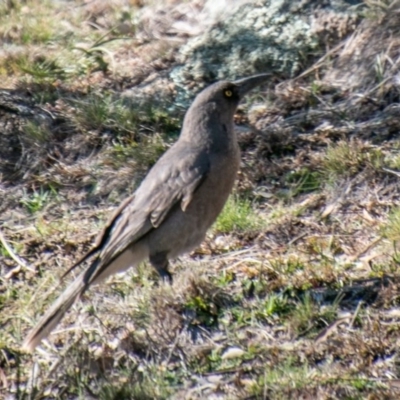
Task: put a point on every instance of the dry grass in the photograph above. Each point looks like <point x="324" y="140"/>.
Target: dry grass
<point x="295" y="292"/>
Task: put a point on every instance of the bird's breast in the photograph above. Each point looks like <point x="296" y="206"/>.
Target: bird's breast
<point x="182" y="231"/>
<point x="216" y="187"/>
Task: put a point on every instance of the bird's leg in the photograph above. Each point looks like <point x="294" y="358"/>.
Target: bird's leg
<point x="160" y="262"/>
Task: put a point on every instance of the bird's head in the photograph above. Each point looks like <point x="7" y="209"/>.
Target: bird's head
<point x="226" y="95"/>
<point x="215" y="106"/>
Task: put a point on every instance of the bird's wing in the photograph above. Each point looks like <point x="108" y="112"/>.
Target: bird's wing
<point x="169" y="182"/>
<point x="172" y="181"/>
<point x="103" y="236"/>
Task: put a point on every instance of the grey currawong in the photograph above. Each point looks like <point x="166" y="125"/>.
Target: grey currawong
<point x="176" y="203"/>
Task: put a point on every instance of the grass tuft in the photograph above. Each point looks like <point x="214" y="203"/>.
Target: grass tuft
<point x="391" y="229"/>
<point x="35" y="201"/>
<point x="346" y="159"/>
<point x="238" y="215"/>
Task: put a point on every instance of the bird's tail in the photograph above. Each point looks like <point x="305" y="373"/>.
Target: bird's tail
<point x="53" y="316"/>
<point x="96" y="273"/>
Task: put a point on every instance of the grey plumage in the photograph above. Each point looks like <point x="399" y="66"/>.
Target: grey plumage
<point x="175" y="204"/>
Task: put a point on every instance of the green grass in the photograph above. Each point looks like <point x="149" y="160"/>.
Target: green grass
<point x="105" y="111"/>
<point x="153" y="385"/>
<point x="283" y="378"/>
<point x="37" y="134"/>
<point x="42" y="68"/>
<point x="391" y="229"/>
<point x="44" y="42"/>
<point x="28" y="22"/>
<point x="35" y="201"/>
<point x="302" y="181"/>
<point x="143" y="153"/>
<point x="346" y="159"/>
<point x="296" y="306"/>
<point x="238" y="215"/>
<point x="308" y="318"/>
<point x="392" y="160"/>
<point x="275" y="305"/>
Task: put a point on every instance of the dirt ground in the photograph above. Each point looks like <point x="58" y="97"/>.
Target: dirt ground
<point x="295" y="292"/>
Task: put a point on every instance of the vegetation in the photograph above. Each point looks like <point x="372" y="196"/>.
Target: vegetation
<point x="295" y="291"/>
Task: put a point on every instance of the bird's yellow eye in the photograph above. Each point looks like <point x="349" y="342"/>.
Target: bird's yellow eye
<point x="228" y="93"/>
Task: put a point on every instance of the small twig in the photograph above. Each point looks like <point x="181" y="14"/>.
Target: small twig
<point x="249" y="260"/>
<point x="362" y="97"/>
<point x="391" y="172"/>
<point x="21" y="263"/>
<point x="366" y="249"/>
<point x="298" y="237"/>
<point x="357" y="310"/>
<point x="318" y="64"/>
<point x="232" y="370"/>
<point x="328" y="331"/>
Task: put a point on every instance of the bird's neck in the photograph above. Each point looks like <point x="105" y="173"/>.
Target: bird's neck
<point x="210" y="128"/>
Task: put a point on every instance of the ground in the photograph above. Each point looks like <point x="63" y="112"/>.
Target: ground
<point x="295" y="291"/>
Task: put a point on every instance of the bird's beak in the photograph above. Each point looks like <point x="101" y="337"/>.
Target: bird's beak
<point x="247" y="84"/>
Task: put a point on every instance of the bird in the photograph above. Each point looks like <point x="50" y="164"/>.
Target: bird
<point x="175" y="204"/>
